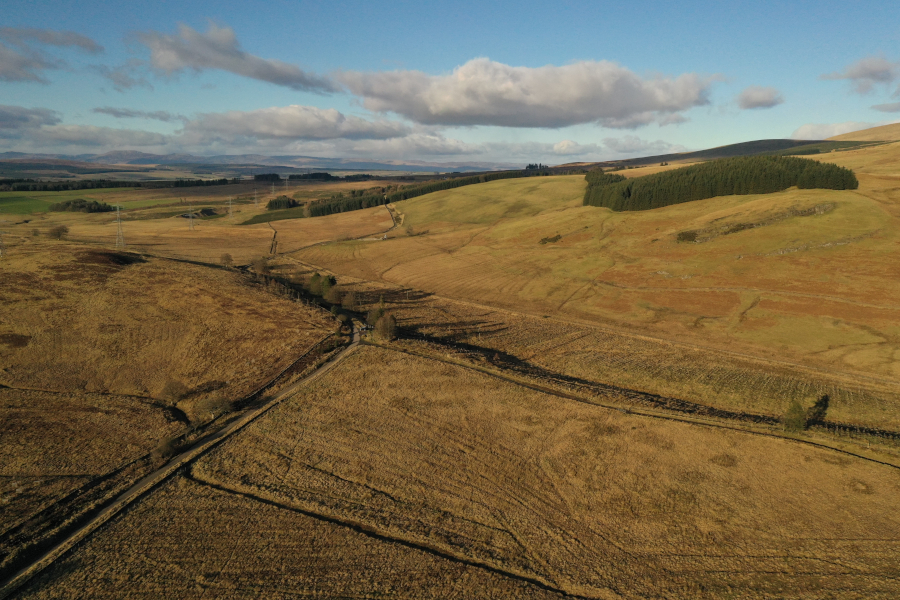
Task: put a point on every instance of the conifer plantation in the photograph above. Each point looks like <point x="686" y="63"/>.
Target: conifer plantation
<point x="725" y="177"/>
<point x="330" y="207"/>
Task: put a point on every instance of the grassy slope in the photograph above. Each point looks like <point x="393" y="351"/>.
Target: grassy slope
<point x="87" y="346"/>
<point x="820" y="289"/>
<point x="482" y="472"/>
<point x="875" y="134"/>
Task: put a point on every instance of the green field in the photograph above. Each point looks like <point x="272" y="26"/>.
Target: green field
<point x="24" y="203"/>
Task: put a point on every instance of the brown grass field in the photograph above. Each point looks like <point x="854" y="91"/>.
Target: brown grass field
<point x="885" y="133"/>
<point x="606" y="356"/>
<point x="503" y="446"/>
<point x="528" y="486"/>
<point x="89" y="340"/>
<point x="812" y="277"/>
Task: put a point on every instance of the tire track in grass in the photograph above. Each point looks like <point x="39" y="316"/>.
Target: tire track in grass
<point x="371" y="532"/>
<point x="150" y="482"/>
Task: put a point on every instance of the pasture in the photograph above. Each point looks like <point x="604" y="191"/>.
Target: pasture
<point x="106" y="355"/>
<point x="523" y="488"/>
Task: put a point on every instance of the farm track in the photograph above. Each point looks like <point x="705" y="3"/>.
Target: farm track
<point x="362" y="528"/>
<point x="87" y="522"/>
<point x="645" y="288"/>
<point x="638" y="402"/>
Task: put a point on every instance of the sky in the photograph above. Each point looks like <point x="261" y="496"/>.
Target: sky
<point x="501" y="82"/>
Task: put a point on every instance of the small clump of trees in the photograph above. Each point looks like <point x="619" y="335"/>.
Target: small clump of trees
<point x="58" y="232"/>
<point x="81" y="205"/>
<point x="383" y="323"/>
<point x="797" y="419"/>
<point x="282" y="202"/>
<point x="321" y="285"/>
<point x="724" y="177"/>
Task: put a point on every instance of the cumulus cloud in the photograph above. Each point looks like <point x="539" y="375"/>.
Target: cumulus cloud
<point x="867" y="73"/>
<point x="821" y="131"/>
<point x="759" y="97"/>
<point x="124" y="77"/>
<point x="290" y="122"/>
<point x="432" y="145"/>
<point x="16" y="120"/>
<point x="41" y="128"/>
<point x="892" y="107"/>
<point x="79" y="136"/>
<point x="484" y="92"/>
<point x="219" y="48"/>
<point x="630" y="145"/>
<point x="22" y="60"/>
<point x="125" y="113"/>
<point x="22" y="37"/>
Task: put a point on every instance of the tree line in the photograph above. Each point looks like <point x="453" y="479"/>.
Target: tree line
<point x="30" y="185"/>
<point x="724" y="177"/>
<point x="339" y="205"/>
<point x="81" y="205"/>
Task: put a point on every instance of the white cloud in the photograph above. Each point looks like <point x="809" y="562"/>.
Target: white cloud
<point x="630" y="145"/>
<point x="21" y="60"/>
<point x="23" y="37"/>
<point x="867" y="73"/>
<point x="892" y="107"/>
<point x="124" y="77"/>
<point x="125" y="113"/>
<point x="289" y="123"/>
<point x="759" y="97"/>
<point x="41" y="129"/>
<point x="483" y="92"/>
<point x="219" y="48"/>
<point x="822" y="131"/>
<point x="80" y="136"/>
<point x="17" y="120"/>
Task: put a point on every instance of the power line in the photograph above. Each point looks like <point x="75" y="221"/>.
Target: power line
<point x="120" y="236"/>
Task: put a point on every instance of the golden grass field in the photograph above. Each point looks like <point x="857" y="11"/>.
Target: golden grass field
<point x="819" y="289"/>
<point x="89" y="340"/>
<point x="532" y="487"/>
<point x="605" y="356"/>
<point x="506" y="455"/>
<point x="153" y="221"/>
<point x="889" y="133"/>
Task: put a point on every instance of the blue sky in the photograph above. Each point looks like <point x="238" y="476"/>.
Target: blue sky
<point x="501" y="82"/>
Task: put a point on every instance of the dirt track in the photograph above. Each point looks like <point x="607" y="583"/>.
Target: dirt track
<point x="152" y="480"/>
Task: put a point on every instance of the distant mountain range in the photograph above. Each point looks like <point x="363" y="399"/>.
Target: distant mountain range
<point x="143" y="159"/>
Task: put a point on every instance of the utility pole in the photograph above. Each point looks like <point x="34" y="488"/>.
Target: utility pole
<point x="120" y="237"/>
<point x="255" y="198"/>
<point x="191" y="217"/>
<point x="2" y="246"/>
<point x="230" y="214"/>
<point x="273" y="187"/>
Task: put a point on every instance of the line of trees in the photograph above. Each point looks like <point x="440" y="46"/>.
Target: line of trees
<point x="281" y="202"/>
<point x="80" y="205"/>
<point x="30" y="185"/>
<point x="331" y="207"/>
<point x="724" y="177"/>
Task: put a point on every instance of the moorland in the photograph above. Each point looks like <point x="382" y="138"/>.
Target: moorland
<point x="699" y="399"/>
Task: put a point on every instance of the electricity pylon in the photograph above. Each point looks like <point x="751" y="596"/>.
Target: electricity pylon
<point x="120" y="236"/>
